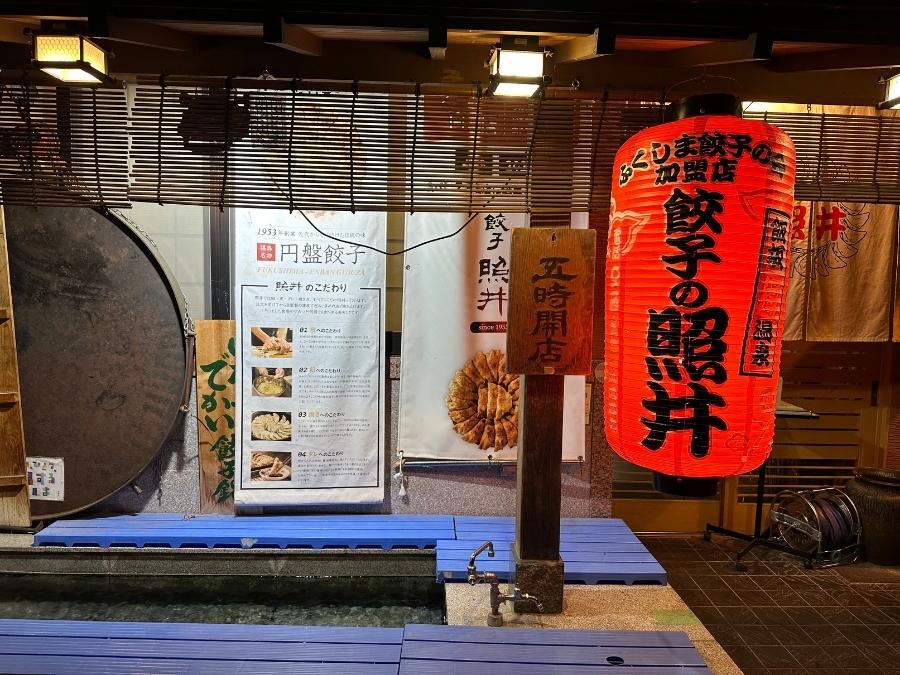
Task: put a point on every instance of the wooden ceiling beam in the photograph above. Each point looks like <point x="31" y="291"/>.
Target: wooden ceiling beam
<point x="846" y="58"/>
<point x="598" y="43"/>
<point x="143" y="33"/>
<point x="13" y="31"/>
<point x="756" y="47"/>
<point x="291" y="37"/>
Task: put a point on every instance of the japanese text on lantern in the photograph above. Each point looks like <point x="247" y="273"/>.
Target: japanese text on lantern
<point x="685" y="339"/>
<point x="759" y="337"/>
<point x="710" y="157"/>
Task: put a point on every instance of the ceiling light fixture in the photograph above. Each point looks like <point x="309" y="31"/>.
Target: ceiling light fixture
<point x="517" y="66"/>
<point x="891" y="92"/>
<point x="70" y="58"/>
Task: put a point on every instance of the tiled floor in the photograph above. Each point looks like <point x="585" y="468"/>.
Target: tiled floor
<point x="781" y="618"/>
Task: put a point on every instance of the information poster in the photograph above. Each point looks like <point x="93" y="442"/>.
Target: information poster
<point x="309" y="335"/>
<point x="457" y="401"/>
<point x="46" y="478"/>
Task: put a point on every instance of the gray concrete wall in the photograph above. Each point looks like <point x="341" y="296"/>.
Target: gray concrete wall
<point x="171" y="481"/>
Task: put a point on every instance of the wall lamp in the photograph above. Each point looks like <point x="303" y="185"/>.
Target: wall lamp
<point x="517" y="66"/>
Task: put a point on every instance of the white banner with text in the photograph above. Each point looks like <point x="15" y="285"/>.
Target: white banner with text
<point x="309" y="314"/>
<point x="457" y="401"/>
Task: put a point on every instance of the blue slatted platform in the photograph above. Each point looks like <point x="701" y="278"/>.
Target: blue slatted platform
<point x="461" y="650"/>
<point x="594" y="550"/>
<point x="174" y="530"/>
<point x="106" y="648"/>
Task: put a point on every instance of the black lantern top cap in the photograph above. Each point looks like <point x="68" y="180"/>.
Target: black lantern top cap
<point x="704" y="104"/>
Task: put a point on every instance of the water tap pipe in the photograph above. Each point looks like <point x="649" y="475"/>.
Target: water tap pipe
<point x="473" y="577"/>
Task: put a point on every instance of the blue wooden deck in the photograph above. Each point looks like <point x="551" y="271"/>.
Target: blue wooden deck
<point x="106" y="648"/>
<point x="174" y="530"/>
<point x="594" y="550"/>
<point x="462" y="650"/>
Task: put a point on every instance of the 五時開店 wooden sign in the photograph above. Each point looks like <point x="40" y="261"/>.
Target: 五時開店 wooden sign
<point x="551" y="301"/>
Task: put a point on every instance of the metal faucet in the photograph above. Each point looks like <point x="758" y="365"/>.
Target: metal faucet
<point x="495" y="618"/>
<point x="473" y="576"/>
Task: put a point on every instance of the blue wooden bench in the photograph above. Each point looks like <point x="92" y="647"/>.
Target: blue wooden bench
<point x="174" y="530"/>
<point x="100" y="648"/>
<point x="463" y="650"/>
<point x="594" y="550"/>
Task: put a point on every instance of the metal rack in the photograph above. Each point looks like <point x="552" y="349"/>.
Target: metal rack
<point x="761" y="537"/>
<point x="828" y="547"/>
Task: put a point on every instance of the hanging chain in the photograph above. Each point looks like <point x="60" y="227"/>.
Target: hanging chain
<point x="474" y="146"/>
<point x="290" y="157"/>
<point x="96" y="149"/>
<point x="412" y="163"/>
<point x="159" y="133"/>
<point x="530" y="155"/>
<point x="227" y="145"/>
<point x="595" y="148"/>
<point x="352" y="121"/>
<point x="29" y="129"/>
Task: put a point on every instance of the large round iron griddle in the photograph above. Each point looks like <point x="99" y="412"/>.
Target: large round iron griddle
<point x="101" y="348"/>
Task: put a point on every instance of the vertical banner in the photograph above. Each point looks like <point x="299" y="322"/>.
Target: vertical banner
<point x="309" y="338"/>
<point x="842" y="257"/>
<point x="216" y="369"/>
<point x="457" y="400"/>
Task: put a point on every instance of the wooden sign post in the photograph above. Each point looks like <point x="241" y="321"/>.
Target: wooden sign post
<point x="215" y="412"/>
<point x="549" y="336"/>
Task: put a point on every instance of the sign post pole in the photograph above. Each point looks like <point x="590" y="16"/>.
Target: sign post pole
<point x="548" y="337"/>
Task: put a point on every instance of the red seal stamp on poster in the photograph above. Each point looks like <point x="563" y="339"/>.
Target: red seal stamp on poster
<point x="265" y="252"/>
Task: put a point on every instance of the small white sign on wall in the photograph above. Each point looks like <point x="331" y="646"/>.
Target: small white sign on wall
<point x="46" y="478"/>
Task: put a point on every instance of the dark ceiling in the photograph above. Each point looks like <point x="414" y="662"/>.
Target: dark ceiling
<point x="784" y="50"/>
<point x="871" y="22"/>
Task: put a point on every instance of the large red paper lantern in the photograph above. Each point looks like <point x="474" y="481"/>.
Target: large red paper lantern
<point x="696" y="278"/>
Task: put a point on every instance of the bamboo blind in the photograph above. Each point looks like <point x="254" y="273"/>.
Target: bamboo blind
<point x="370" y="150"/>
<point x="843" y="157"/>
<point x="63" y="146"/>
<point x="299" y="145"/>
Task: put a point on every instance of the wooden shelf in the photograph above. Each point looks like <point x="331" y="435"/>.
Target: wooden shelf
<point x="5" y="313"/>
<point x="8" y="481"/>
<point x="785" y="409"/>
<point x="8" y="397"/>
